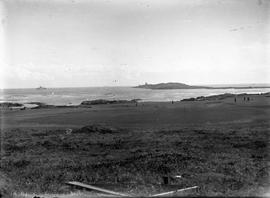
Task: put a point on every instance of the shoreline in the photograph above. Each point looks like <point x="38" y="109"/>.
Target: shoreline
<point x="89" y="103"/>
<point x="223" y="96"/>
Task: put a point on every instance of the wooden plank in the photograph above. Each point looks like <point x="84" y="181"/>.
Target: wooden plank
<point x="91" y="187"/>
<point x="174" y="191"/>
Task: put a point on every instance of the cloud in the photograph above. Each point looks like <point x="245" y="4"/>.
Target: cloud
<point x="25" y="72"/>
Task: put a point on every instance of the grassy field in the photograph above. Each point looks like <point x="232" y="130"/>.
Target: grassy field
<point x="218" y="145"/>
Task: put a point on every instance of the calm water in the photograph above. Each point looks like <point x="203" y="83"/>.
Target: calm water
<point x="63" y="96"/>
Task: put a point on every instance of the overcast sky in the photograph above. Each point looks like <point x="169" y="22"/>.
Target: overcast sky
<point x="70" y="43"/>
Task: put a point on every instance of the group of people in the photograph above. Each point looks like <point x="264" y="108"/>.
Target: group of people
<point x="245" y="99"/>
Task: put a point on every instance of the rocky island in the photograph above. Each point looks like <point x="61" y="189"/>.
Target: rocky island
<point x="170" y="85"/>
<point x="175" y="85"/>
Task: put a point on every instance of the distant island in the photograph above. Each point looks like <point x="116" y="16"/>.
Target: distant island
<point x="170" y="85"/>
<point x="40" y="88"/>
<point x="175" y="85"/>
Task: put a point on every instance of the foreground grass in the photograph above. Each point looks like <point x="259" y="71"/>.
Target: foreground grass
<point x="221" y="160"/>
<point x="65" y="195"/>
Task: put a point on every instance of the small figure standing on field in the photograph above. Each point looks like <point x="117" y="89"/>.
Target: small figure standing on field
<point x="234" y="99"/>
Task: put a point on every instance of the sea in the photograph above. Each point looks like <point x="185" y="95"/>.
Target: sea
<point x="74" y="96"/>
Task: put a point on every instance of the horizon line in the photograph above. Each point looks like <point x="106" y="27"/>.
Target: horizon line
<point x="104" y="86"/>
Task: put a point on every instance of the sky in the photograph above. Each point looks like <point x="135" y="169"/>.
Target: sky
<point x="82" y="43"/>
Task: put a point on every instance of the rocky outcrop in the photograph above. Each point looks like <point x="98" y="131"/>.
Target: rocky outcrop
<point x="102" y="101"/>
<point x="214" y="97"/>
<point x="10" y="104"/>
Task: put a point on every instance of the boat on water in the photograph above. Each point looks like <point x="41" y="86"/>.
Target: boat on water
<point x="41" y="88"/>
